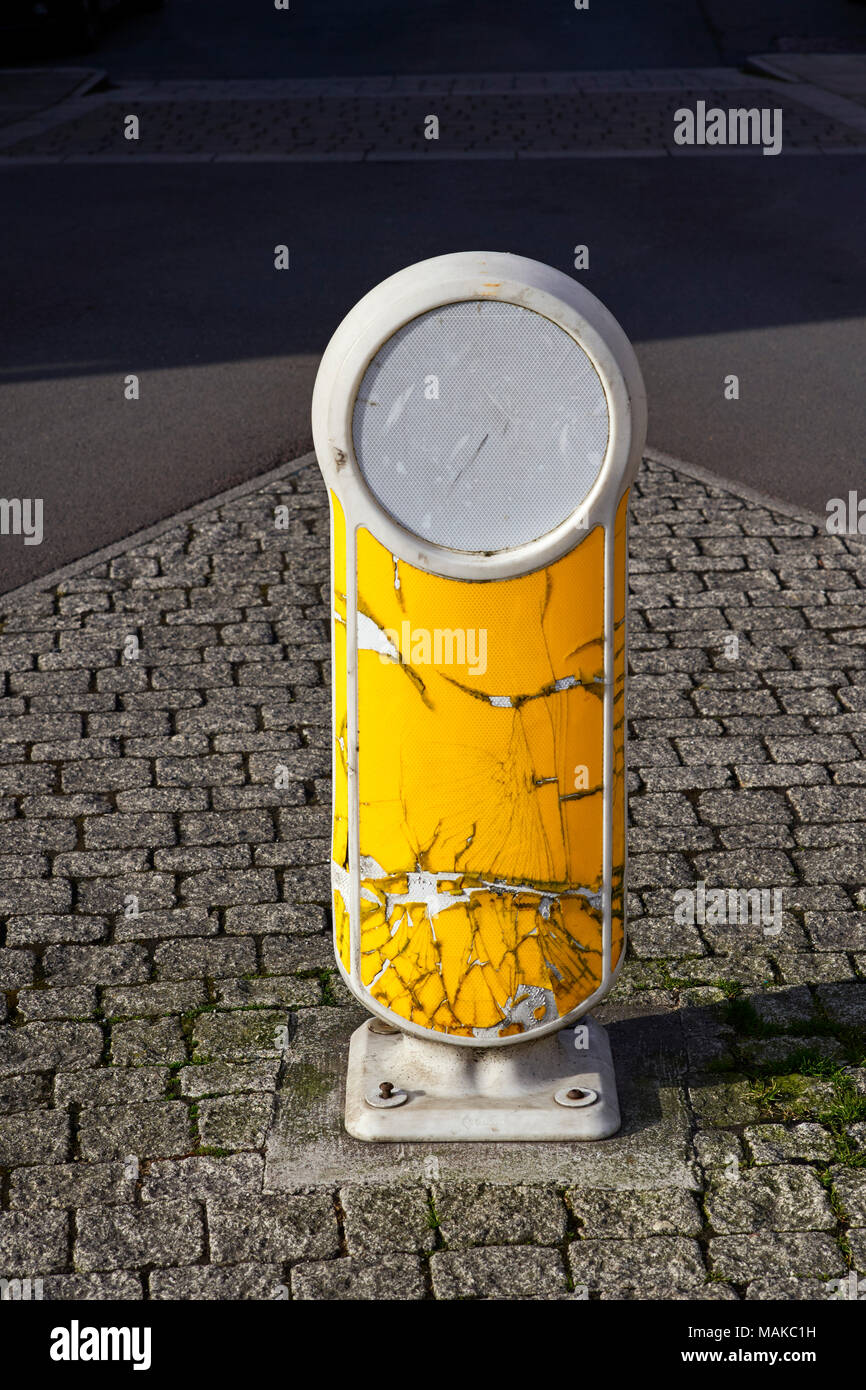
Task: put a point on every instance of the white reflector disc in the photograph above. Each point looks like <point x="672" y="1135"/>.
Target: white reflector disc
<point x="480" y="425"/>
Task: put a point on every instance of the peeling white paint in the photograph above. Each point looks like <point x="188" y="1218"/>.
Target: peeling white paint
<point x="521" y="1009"/>
<point x="423" y="889"/>
<point x="371" y="868"/>
<point x="371" y="638"/>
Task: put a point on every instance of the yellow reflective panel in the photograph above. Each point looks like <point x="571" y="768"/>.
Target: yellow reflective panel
<point x="618" y="838"/>
<point x="481" y="740"/>
<point x="340" y="829"/>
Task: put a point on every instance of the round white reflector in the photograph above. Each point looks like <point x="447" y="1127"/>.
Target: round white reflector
<point x="480" y="425"/>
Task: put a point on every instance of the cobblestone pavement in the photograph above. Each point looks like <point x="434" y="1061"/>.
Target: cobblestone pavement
<point x="165" y="945"/>
<point x="509" y="116"/>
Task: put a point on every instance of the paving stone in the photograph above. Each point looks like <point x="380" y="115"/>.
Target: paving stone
<point x="29" y="1091"/>
<point x="770" y="1254"/>
<point x="778" y="1144"/>
<point x="24" y="1138"/>
<point x="380" y="1219"/>
<point x="145" y="1130"/>
<point x="118" y="1237"/>
<point x="805" y="967"/>
<point x="92" y="1288"/>
<point x="850" y="1187"/>
<point x="608" y="1265"/>
<point x="857" y="1243"/>
<point x="659" y="1288"/>
<point x="500" y="1272"/>
<point x="728" y="1102"/>
<point x="106" y="1087"/>
<point x="228" y="889"/>
<point x="144" y="1042"/>
<point x="751" y="968"/>
<point x="243" y="1035"/>
<point x="79" y="1184"/>
<point x="16" y="968"/>
<point x="844" y="1003"/>
<point x="783" y="1198"/>
<point x="832" y="865"/>
<point x="789" y="1290"/>
<point x="628" y="1215"/>
<point x="745" y="869"/>
<point x="32" y="1243"/>
<point x="113" y="965"/>
<point x="47" y="1046"/>
<point x="837" y="931"/>
<point x="213" y="956"/>
<point x="151" y="891"/>
<point x="181" y="921"/>
<point x="486" y="1214"/>
<point x="101" y="863"/>
<point x="285" y="991"/>
<point x="45" y="928"/>
<point x="226" y="827"/>
<point x="391" y="1277"/>
<point x="651" y="939"/>
<point x="229" y="1078"/>
<point x="210" y="1282"/>
<point x="718" y="1150"/>
<point x="783" y="1006"/>
<point x="35" y="896"/>
<point x="277" y="1228"/>
<point x="231" y="1122"/>
<point x="735" y="807"/>
<point x="125" y="830"/>
<point x="785" y="1051"/>
<point x="152" y="1000"/>
<point x="205" y="1178"/>
<point x="182" y="860"/>
<point x="77" y="1002"/>
<point x="285" y="955"/>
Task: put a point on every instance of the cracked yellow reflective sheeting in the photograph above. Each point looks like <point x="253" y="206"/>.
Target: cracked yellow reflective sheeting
<point x="481" y="758"/>
<point x="340" y="829"/>
<point x="481" y="745"/>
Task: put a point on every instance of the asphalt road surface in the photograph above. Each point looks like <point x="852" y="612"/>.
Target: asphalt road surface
<point x="233" y="38"/>
<point x="734" y="265"/>
<point x="719" y="266"/>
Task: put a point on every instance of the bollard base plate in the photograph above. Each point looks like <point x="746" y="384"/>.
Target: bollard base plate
<point x="518" y="1092"/>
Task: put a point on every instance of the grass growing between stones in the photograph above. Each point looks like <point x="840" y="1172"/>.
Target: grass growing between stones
<point x="325" y="978"/>
<point x="803" y="1083"/>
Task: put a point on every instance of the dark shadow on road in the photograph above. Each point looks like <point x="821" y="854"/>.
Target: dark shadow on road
<point x="744" y="265"/>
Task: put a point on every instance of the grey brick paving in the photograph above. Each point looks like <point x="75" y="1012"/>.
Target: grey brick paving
<point x="168" y="988"/>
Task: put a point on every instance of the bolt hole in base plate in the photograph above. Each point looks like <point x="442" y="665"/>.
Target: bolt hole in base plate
<point x="401" y="1088"/>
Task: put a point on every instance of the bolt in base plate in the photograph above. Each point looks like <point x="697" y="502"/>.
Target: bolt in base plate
<point x="493" y="1093"/>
